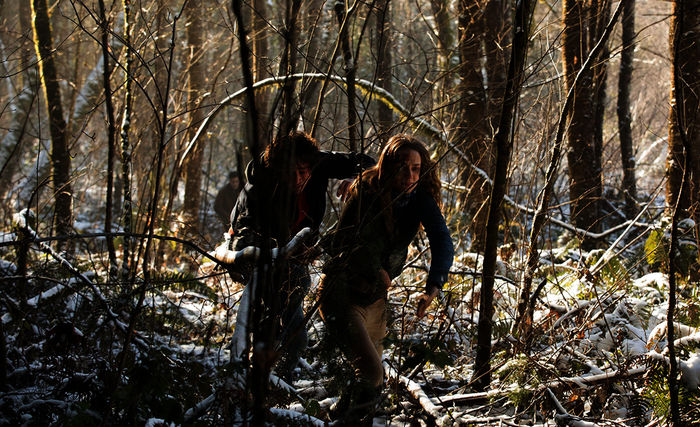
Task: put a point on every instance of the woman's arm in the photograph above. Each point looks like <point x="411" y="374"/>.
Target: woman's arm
<point x="441" y="249"/>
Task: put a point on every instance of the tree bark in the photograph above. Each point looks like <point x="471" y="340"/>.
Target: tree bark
<point x="624" y="115"/>
<point x="290" y="111"/>
<point x="472" y="132"/>
<point x="60" y="157"/>
<point x="445" y="35"/>
<point x="504" y="145"/>
<point x="260" y="64"/>
<point x="125" y="145"/>
<point x="495" y="37"/>
<point x="385" y="117"/>
<point x="111" y="129"/>
<point x="193" y="164"/>
<point x="684" y="120"/>
<point x="585" y="186"/>
<point x="350" y="71"/>
<point x="600" y="15"/>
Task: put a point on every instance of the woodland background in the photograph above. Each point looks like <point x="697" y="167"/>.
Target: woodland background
<point x="568" y="141"/>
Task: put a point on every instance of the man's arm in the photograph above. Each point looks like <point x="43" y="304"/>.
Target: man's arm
<point x="336" y="165"/>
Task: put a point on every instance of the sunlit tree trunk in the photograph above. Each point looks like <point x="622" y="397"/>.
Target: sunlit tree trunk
<point x="126" y="148"/>
<point x="193" y="163"/>
<point x="624" y="114"/>
<point x="684" y="121"/>
<point x="585" y="187"/>
<point x="472" y="132"/>
<point x="60" y="157"/>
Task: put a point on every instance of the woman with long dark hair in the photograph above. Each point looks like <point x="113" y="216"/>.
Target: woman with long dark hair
<point x="386" y="207"/>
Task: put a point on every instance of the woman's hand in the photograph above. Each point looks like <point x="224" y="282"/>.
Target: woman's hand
<point x="424" y="301"/>
<point x="344" y="189"/>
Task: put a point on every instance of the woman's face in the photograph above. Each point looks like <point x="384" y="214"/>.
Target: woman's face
<point x="409" y="170"/>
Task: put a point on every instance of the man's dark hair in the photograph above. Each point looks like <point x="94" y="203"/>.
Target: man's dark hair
<point x="285" y="152"/>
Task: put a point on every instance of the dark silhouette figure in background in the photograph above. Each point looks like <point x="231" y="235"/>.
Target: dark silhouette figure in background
<point x="226" y="198"/>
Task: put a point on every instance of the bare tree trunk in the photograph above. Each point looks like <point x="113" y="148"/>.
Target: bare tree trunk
<point x="312" y="58"/>
<point x="350" y="71"/>
<point x="445" y="36"/>
<point x="160" y="96"/>
<point x="27" y="53"/>
<point x="504" y="145"/>
<point x="495" y="37"/>
<point x="290" y="111"/>
<point x="600" y="14"/>
<point x="385" y="117"/>
<point x="125" y="146"/>
<point x="585" y="187"/>
<point x="60" y="157"/>
<point x="472" y="131"/>
<point x="624" y="115"/>
<point x="260" y="63"/>
<point x="111" y="130"/>
<point x="193" y="163"/>
<point x="683" y="159"/>
<point x="679" y="170"/>
<point x="684" y="121"/>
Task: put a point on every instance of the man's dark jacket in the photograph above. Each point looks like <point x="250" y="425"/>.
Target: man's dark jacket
<point x="268" y="206"/>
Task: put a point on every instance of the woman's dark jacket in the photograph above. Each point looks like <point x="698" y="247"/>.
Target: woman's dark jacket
<point x="267" y="205"/>
<point x="374" y="233"/>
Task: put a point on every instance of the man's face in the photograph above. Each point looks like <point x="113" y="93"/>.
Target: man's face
<point x="302" y="174"/>
<point x="234" y="182"/>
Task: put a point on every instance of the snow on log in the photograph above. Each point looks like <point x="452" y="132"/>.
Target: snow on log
<point x="416" y="391"/>
<point x="564" y="417"/>
<point x="297" y="417"/>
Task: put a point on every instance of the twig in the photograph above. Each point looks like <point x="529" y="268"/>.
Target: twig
<point x="20" y="219"/>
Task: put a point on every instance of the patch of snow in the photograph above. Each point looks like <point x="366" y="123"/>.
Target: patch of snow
<point x="690" y="372"/>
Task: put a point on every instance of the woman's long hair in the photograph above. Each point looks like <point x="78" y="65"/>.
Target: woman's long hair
<point x="381" y="175"/>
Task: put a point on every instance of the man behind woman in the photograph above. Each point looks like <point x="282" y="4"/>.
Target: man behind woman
<point x="386" y="207"/>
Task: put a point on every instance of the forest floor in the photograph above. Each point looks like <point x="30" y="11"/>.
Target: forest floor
<point x="597" y="354"/>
